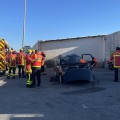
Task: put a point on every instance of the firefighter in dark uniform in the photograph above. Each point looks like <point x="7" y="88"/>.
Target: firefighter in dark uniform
<point x="115" y="57"/>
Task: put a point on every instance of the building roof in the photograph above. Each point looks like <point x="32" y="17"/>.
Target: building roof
<point x="71" y="38"/>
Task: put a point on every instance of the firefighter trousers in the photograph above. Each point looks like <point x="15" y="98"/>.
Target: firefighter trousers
<point x="116" y="74"/>
<point x="21" y="67"/>
<point x="13" y="69"/>
<point x="36" y="73"/>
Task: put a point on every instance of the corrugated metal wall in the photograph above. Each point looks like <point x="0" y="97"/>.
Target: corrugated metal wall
<point x="112" y="41"/>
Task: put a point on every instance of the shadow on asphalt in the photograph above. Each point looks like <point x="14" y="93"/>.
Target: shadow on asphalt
<point x="74" y="83"/>
<point x="84" y="91"/>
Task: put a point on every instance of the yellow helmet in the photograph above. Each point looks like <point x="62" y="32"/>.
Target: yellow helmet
<point x="21" y="49"/>
<point x="29" y="51"/>
<point x="10" y="51"/>
<point x="33" y="51"/>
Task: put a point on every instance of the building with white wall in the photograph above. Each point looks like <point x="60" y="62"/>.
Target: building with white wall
<point x="99" y="46"/>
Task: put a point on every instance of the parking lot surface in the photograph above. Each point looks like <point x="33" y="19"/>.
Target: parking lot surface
<point x="53" y="101"/>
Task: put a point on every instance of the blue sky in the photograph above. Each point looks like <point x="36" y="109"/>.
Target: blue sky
<point x="57" y="19"/>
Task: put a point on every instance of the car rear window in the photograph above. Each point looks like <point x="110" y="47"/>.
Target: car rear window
<point x="69" y="60"/>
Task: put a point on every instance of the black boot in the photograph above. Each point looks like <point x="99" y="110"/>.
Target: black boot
<point x="19" y="76"/>
<point x="8" y="77"/>
<point x="13" y="77"/>
<point x="23" y="76"/>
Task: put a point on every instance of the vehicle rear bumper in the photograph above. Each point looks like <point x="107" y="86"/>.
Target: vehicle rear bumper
<point x="78" y="74"/>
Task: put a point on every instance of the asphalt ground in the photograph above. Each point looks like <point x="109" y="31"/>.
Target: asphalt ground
<point x="53" y="101"/>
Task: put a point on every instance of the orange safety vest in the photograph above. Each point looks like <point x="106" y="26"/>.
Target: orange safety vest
<point x="37" y="60"/>
<point x="21" y="58"/>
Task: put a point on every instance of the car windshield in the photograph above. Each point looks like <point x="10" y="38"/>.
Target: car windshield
<point x="69" y="60"/>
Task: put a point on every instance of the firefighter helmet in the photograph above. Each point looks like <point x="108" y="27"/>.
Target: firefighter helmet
<point x="33" y="51"/>
<point x="21" y="49"/>
<point x="29" y="51"/>
<point x="10" y="51"/>
<point x="42" y="53"/>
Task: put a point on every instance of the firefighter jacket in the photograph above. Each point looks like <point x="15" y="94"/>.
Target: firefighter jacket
<point x="12" y="60"/>
<point x="21" y="58"/>
<point x="116" y="58"/>
<point x="28" y="63"/>
<point x="37" y="57"/>
<point x="43" y="61"/>
<point x="117" y="52"/>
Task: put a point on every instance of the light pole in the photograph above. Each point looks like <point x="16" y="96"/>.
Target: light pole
<point x="24" y="24"/>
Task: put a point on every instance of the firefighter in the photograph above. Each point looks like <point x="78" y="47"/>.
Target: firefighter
<point x="28" y="69"/>
<point x="93" y="62"/>
<point x="12" y="64"/>
<point x="43" y="64"/>
<point x="112" y="58"/>
<point x="7" y="59"/>
<point x="32" y="54"/>
<point x="21" y="62"/>
<point x="36" y="68"/>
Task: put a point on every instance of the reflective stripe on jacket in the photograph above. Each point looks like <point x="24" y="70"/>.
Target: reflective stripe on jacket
<point x="37" y="60"/>
<point x="21" y="58"/>
<point x="28" y="62"/>
<point x="113" y="58"/>
<point x="12" y="60"/>
<point x="43" y="61"/>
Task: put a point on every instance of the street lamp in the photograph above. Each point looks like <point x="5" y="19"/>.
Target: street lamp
<point x="24" y="24"/>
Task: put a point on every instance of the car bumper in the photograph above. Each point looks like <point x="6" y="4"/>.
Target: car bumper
<point x="78" y="74"/>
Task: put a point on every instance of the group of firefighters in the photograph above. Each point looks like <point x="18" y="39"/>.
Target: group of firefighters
<point x="30" y="65"/>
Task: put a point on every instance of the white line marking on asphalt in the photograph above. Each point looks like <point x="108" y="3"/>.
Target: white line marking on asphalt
<point x="9" y="116"/>
<point x="105" y="106"/>
<point x="102" y="106"/>
<point x="84" y="106"/>
<point x="2" y="82"/>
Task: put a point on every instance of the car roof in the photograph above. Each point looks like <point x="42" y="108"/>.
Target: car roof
<point x="63" y="56"/>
